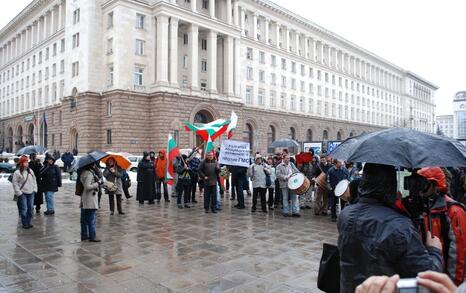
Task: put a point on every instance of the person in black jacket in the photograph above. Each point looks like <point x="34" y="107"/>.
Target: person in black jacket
<point x="35" y="165"/>
<point x="146" y="180"/>
<point x="238" y="176"/>
<point x="50" y="177"/>
<point x="183" y="185"/>
<point x="376" y="239"/>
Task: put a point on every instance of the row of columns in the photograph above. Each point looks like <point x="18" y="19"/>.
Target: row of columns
<point x="47" y="24"/>
<point x="316" y="50"/>
<point x="167" y="57"/>
<point x="212" y="8"/>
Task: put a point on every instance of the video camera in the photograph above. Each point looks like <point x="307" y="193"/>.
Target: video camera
<point x="414" y="203"/>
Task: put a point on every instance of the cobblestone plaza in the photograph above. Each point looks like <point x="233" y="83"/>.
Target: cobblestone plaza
<point x="160" y="248"/>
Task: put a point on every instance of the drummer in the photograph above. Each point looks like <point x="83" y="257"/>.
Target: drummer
<point x="337" y="173"/>
<point x="284" y="171"/>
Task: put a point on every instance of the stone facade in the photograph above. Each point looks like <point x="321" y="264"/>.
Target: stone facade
<point x="136" y="127"/>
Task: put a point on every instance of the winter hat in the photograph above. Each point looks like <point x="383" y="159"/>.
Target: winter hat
<point x="435" y="174"/>
<point x="258" y="156"/>
<point x="22" y="159"/>
<point x="49" y="157"/>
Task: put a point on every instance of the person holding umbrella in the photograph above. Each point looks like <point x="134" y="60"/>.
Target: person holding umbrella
<point x="90" y="183"/>
<point x="50" y="178"/>
<point x="35" y="166"/>
<point x="113" y="185"/>
<point x="146" y="180"/>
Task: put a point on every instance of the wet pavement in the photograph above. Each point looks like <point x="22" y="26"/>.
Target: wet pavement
<point x="160" y="248"/>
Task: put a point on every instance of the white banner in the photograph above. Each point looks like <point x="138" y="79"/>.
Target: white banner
<point x="316" y="146"/>
<point x="234" y="153"/>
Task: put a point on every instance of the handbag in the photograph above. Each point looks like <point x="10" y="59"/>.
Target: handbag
<point x="110" y="187"/>
<point x="328" y="279"/>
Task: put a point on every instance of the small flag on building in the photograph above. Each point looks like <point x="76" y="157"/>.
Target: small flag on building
<point x="172" y="152"/>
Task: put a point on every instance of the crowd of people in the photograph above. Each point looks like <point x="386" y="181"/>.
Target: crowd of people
<point x="380" y="232"/>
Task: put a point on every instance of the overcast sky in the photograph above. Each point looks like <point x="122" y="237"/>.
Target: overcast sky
<point x="427" y="37"/>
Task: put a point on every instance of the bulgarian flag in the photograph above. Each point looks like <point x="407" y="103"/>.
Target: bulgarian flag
<point x="209" y="146"/>
<point x="232" y="125"/>
<point x="172" y="152"/>
<point x="213" y="129"/>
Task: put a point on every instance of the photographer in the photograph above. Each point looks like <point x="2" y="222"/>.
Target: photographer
<point x="376" y="239"/>
<point x="89" y="203"/>
<point x="446" y="220"/>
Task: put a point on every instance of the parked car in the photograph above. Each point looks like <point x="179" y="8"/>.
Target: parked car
<point x="134" y="162"/>
<point x="7" y="168"/>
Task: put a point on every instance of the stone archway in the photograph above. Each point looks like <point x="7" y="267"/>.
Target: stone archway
<point x="9" y="136"/>
<point x="309" y="135"/>
<point x="30" y="134"/>
<point x="74" y="139"/>
<point x="19" y="143"/>
<point x="202" y="116"/>
<point x="248" y="136"/>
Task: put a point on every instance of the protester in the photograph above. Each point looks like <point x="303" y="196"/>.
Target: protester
<point x="160" y="165"/>
<point x="146" y="180"/>
<point x="257" y="172"/>
<point x="238" y="174"/>
<point x="35" y="165"/>
<point x="321" y="200"/>
<point x="113" y="186"/>
<point x="184" y="183"/>
<point x="25" y="187"/>
<point x="376" y="239"/>
<point x="432" y="281"/>
<point x="353" y="172"/>
<point x="334" y="176"/>
<point x="89" y="202"/>
<point x="305" y="199"/>
<point x="271" y="187"/>
<point x="447" y="220"/>
<point x="126" y="183"/>
<point x="193" y="164"/>
<point x="50" y="178"/>
<point x="67" y="159"/>
<point x="208" y="171"/>
<point x="98" y="172"/>
<point x="278" y="192"/>
<point x="284" y="172"/>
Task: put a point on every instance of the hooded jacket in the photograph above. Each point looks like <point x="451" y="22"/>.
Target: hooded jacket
<point x="160" y="165"/>
<point x="50" y="176"/>
<point x="375" y="239"/>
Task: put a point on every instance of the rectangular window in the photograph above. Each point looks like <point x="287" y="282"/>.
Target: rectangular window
<point x="261" y="76"/>
<point x="75" y="40"/>
<point x="185" y="39"/>
<point x="62" y="45"/>
<point x="110" y="20"/>
<point x="140" y="18"/>
<point x="138" y="73"/>
<point x="185" y="61"/>
<point x="261" y="98"/>
<point x="53" y="139"/>
<point x="303" y="70"/>
<point x="249" y="54"/>
<point x="54" y="50"/>
<point x="204" y="65"/>
<point x="75" y="69"/>
<point x="262" y="57"/>
<point x="109" y="108"/>
<point x="301" y="104"/>
<point x="293" y="67"/>
<point x="203" y="85"/>
<point x="110" y="46"/>
<point x="249" y="73"/>
<point x="273" y="60"/>
<point x="205" y="4"/>
<point x="76" y="16"/>
<point x="40" y="58"/>
<point x="109" y="136"/>
<point x="47" y="55"/>
<point x="62" y="66"/>
<point x="110" y="75"/>
<point x="283" y="101"/>
<point x="293" y="83"/>
<point x="283" y="64"/>
<point x="273" y="102"/>
<point x="139" y="50"/>
<point x="204" y="44"/>
<point x="54" y="69"/>
<point x="293" y="103"/>
<point x="311" y="72"/>
<point x="273" y="79"/>
<point x="283" y="81"/>
<point x="249" y="95"/>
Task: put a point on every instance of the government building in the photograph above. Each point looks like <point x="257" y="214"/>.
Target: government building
<point x="121" y="74"/>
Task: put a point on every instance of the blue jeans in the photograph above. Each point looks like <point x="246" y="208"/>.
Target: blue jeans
<point x="49" y="200"/>
<point x="290" y="195"/>
<point x="218" y="203"/>
<point x="26" y="205"/>
<point x="88" y="223"/>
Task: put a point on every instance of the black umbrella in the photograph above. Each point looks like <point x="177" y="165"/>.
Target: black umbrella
<point x="402" y="147"/>
<point x="88" y="159"/>
<point x="284" y="143"/>
<point x="31" y="149"/>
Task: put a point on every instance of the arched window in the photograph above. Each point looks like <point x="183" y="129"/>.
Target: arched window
<point x="351" y="134"/>
<point x="10" y="140"/>
<point x="74" y="139"/>
<point x="19" y="138"/>
<point x="202" y="116"/>
<point x="248" y="136"/>
<point x="338" y="135"/>
<point x="292" y="133"/>
<point x="30" y="138"/>
<point x="271" y="135"/>
<point x="325" y="135"/>
<point x="309" y="135"/>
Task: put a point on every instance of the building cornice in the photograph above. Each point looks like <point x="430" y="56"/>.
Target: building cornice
<point x="421" y="80"/>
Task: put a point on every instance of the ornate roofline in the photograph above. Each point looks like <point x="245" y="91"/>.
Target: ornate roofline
<point x="22" y="16"/>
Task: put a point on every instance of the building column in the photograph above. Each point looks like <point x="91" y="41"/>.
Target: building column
<point x="44" y="36"/>
<point x="229" y="16"/>
<point x="212" y="60"/>
<point x="287" y="39"/>
<point x="254" y="26"/>
<point x="236" y="13"/>
<point x="212" y="8"/>
<point x="297" y="48"/>
<point x="266" y="30"/>
<point x="306" y="47"/>
<point x="27" y="38"/>
<point x="162" y="49"/>
<point x="241" y="20"/>
<point x="52" y="21"/>
<point x="59" y="18"/>
<point x="277" y="35"/>
<point x="229" y="63"/>
<point x="237" y="64"/>
<point x="193" y="58"/>
<point x="174" y="51"/>
<point x="194" y="5"/>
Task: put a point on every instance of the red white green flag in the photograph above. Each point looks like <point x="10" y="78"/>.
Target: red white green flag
<point x="209" y="146"/>
<point x="213" y="129"/>
<point x="172" y="152"/>
<point x="232" y="125"/>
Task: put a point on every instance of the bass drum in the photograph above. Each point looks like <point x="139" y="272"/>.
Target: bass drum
<point x="299" y="183"/>
<point x="342" y="190"/>
<point x="321" y="181"/>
